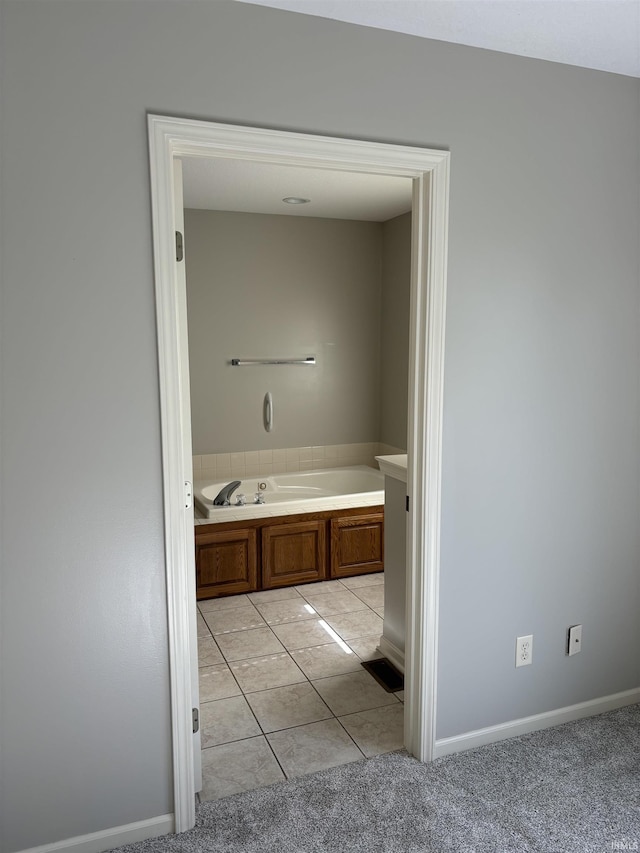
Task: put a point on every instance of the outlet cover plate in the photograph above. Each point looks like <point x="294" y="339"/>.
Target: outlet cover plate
<point x="524" y="650"/>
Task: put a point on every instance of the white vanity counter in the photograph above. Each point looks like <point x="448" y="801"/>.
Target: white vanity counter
<point x="394" y="466"/>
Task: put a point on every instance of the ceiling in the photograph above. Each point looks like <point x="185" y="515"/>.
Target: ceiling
<point x="243" y="185"/>
<point x="599" y="34"/>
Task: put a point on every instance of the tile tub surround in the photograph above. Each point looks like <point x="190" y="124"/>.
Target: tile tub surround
<point x="256" y="463"/>
<point x="282" y="693"/>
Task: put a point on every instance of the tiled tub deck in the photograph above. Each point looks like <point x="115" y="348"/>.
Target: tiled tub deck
<point x="282" y="689"/>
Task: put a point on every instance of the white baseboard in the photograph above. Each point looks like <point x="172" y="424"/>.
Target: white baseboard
<point x="514" y="728"/>
<point x="107" y="839"/>
<point x="392" y="653"/>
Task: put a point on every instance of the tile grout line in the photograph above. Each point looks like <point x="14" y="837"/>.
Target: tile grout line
<point x="350" y="738"/>
<point x="284" y="772"/>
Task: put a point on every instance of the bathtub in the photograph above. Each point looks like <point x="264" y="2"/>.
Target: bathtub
<point x="292" y="493"/>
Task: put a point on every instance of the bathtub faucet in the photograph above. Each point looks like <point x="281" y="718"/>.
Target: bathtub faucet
<point x="223" y="498"/>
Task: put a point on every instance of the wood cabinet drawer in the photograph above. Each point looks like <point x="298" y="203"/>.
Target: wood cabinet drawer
<point x="226" y="563"/>
<point x="357" y="545"/>
<point x="293" y="553"/>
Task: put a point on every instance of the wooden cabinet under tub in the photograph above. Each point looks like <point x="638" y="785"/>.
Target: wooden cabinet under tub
<point x="357" y="545"/>
<point x="226" y="561"/>
<point x="266" y="553"/>
<point x="293" y="552"/>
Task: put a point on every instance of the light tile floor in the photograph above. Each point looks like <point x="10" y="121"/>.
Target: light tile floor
<point x="282" y="689"/>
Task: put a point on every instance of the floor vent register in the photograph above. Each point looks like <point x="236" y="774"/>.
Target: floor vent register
<point x="385" y="674"/>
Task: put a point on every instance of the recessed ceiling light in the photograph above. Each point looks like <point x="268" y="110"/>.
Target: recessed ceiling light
<point x="292" y="199"/>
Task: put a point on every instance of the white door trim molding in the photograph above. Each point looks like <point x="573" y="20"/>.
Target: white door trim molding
<point x="172" y="137"/>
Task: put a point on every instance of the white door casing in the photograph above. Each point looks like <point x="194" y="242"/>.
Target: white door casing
<point x="187" y="459"/>
<point x="171" y="138"/>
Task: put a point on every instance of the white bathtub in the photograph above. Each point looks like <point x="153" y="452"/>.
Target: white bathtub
<point x="288" y="494"/>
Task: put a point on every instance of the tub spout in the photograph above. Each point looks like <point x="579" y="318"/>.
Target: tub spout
<point x="223" y="498"/>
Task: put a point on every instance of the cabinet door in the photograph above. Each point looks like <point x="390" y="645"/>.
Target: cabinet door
<point x="293" y="553"/>
<point x="357" y="545"/>
<point x="226" y="563"/>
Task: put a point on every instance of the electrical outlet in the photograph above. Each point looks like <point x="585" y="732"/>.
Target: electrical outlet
<point x="574" y="640"/>
<point x="524" y="650"/>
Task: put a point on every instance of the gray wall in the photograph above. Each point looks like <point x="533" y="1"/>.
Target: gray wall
<point x="396" y="297"/>
<point x="273" y="286"/>
<point x="541" y="443"/>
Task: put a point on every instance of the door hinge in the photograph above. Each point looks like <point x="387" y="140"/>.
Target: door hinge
<point x="188" y="495"/>
<point x="195" y="719"/>
<point x="179" y="246"/>
<point x="407" y="503"/>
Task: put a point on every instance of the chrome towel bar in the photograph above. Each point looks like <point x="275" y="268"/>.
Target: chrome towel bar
<point x="241" y="362"/>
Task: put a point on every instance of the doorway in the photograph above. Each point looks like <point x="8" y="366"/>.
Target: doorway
<point x="172" y="138"/>
<point x="286" y="623"/>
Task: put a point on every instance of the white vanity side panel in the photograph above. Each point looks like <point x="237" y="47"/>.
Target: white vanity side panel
<point x="395" y="562"/>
